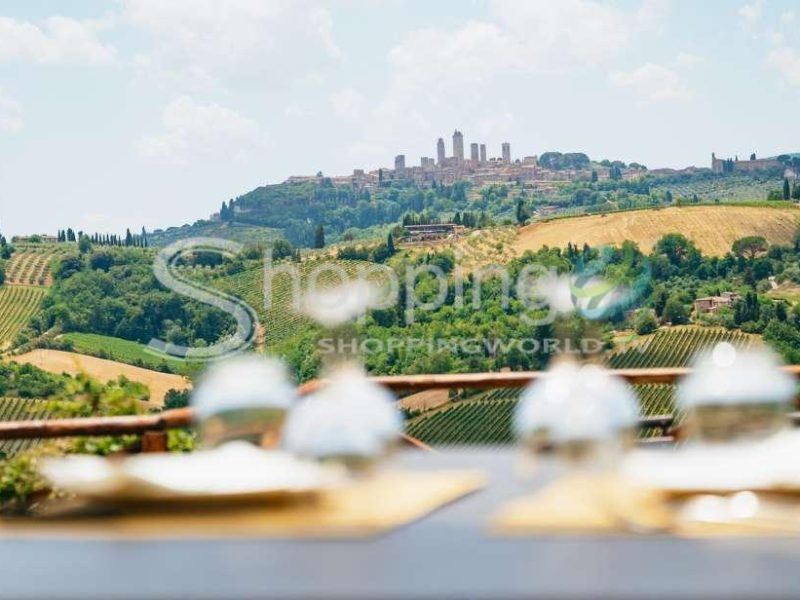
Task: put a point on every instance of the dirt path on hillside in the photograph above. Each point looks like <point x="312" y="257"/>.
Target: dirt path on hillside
<point x="56" y="361"/>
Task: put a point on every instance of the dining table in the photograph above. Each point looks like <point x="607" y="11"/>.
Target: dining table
<point x="450" y="553"/>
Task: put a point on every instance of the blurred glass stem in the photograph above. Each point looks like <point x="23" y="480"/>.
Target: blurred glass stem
<point x="344" y="349"/>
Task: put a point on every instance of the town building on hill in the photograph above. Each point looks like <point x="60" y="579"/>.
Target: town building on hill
<point x="33" y="239"/>
<point x="440" y="153"/>
<point x="432" y="232"/>
<point x="458" y="146"/>
<point x="543" y="212"/>
<point x="711" y="304"/>
<point x="400" y="166"/>
<point x="749" y="166"/>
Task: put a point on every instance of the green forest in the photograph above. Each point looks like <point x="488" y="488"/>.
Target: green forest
<point x="112" y="291"/>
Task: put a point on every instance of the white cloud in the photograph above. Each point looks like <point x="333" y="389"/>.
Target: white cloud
<point x="236" y="41"/>
<point x="367" y="152"/>
<point x="652" y="82"/>
<point x="469" y="54"/>
<point x="95" y="221"/>
<point x="192" y="128"/>
<point x="524" y="36"/>
<point x="10" y="114"/>
<point x="752" y="12"/>
<point x="653" y="11"/>
<point x="787" y="62"/>
<point x="294" y="110"/>
<point x="60" y="40"/>
<point x="495" y="123"/>
<point x="787" y="18"/>
<point x="775" y="37"/>
<point x="582" y="31"/>
<point x="445" y="75"/>
<point x="687" y="59"/>
<point x="347" y="104"/>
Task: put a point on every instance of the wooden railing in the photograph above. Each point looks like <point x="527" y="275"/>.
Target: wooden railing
<point x="507" y="379"/>
<point x="153" y="426"/>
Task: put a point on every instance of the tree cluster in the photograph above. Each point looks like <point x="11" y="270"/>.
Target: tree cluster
<point x="113" y="291"/>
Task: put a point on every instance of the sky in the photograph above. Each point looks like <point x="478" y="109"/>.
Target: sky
<point x="131" y="113"/>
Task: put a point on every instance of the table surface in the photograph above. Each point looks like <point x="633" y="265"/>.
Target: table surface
<point x="445" y="554"/>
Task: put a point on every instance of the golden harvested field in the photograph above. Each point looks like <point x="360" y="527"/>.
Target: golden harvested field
<point x="423" y="401"/>
<point x="712" y="228"/>
<point x="56" y="361"/>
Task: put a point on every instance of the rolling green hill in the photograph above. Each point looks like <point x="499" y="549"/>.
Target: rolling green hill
<point x="126" y="351"/>
<point x="238" y="232"/>
<point x="675" y="347"/>
<point x="279" y="318"/>
<point x="294" y="210"/>
<point x="18" y="304"/>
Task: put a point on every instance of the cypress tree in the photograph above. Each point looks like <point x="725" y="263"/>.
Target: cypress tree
<point x="521" y="213"/>
<point x="319" y="237"/>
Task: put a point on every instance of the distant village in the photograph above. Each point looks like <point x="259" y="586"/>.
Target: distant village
<point x="477" y="168"/>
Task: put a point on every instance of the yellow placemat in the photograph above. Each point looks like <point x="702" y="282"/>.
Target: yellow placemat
<point x="365" y="508"/>
<point x="604" y="505"/>
<point x="768" y="514"/>
<point x="579" y="505"/>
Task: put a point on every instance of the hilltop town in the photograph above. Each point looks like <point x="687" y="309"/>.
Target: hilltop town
<point x="478" y="168"/>
<point x="539" y="171"/>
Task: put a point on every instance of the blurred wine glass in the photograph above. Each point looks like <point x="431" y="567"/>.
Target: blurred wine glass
<point x="735" y="395"/>
<point x="243" y="398"/>
<point x="350" y="421"/>
<point x="582" y="414"/>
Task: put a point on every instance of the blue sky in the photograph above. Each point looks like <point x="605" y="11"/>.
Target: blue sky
<point x="151" y="112"/>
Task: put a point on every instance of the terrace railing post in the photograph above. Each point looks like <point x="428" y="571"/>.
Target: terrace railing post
<point x="154" y="441"/>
